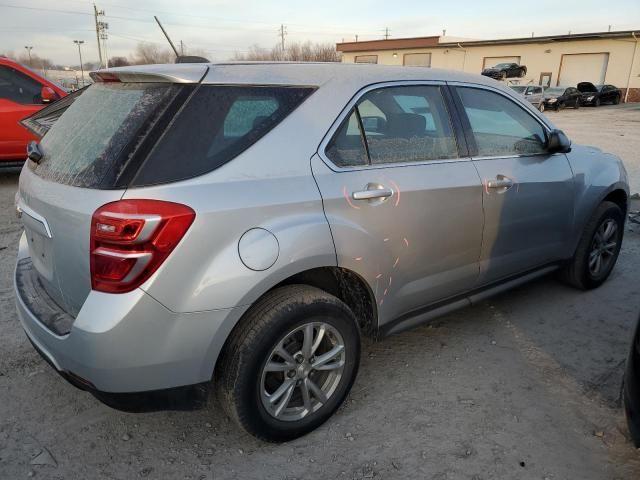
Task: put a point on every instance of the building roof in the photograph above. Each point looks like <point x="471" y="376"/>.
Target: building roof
<point x="427" y="42"/>
<point x="390" y="44"/>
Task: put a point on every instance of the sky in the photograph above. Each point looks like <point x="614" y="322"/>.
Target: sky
<point x="223" y="27"/>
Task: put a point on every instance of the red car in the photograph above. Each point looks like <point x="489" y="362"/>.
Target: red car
<point x="22" y="93"/>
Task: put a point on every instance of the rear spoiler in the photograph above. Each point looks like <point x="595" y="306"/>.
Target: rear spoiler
<point x="41" y="121"/>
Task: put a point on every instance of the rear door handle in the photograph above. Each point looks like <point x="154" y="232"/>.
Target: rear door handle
<point x="500" y="182"/>
<point x="373" y="191"/>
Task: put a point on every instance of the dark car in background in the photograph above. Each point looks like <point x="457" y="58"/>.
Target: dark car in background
<point x="597" y="94"/>
<point x="556" y="98"/>
<point x="632" y="388"/>
<point x="505" y="70"/>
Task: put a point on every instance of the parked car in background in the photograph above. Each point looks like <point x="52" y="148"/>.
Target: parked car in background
<point x="561" y="97"/>
<point x="632" y="388"/>
<point x="505" y="70"/>
<point x="22" y="92"/>
<point x="597" y="94"/>
<point x="355" y="200"/>
<point x="532" y="93"/>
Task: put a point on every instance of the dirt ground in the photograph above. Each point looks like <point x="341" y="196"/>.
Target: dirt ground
<point x="523" y="386"/>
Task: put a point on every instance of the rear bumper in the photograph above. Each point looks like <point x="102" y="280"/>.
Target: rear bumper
<point x="129" y="342"/>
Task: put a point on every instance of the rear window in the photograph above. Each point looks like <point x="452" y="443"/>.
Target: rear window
<point x="216" y="125"/>
<point x="117" y="135"/>
<point x="92" y="142"/>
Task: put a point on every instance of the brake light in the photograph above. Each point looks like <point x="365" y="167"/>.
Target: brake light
<point x="130" y="239"/>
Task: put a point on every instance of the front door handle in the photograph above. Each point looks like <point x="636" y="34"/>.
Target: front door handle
<point x="373" y="191"/>
<point x="500" y="183"/>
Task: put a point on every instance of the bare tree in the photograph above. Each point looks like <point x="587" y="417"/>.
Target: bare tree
<point x="146" y="53"/>
<point x="119" y="62"/>
<point x="35" y="61"/>
<point x="294" y="52"/>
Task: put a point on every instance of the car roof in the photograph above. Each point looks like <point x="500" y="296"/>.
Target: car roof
<point x="290" y="73"/>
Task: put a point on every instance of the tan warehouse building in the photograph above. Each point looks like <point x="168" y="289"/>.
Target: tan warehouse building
<point x="605" y="57"/>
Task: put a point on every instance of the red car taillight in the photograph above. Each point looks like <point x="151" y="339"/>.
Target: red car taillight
<point x="131" y="238"/>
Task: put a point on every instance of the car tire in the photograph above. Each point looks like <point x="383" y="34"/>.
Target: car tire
<point x="523" y="72"/>
<point x="581" y="272"/>
<point x="254" y="381"/>
<point x="596" y="102"/>
<point x="541" y="107"/>
<point x="577" y="105"/>
<point x="616" y="100"/>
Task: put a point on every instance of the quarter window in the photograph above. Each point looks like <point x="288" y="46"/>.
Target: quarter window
<point x="499" y="125"/>
<point x="18" y="87"/>
<point x="395" y="125"/>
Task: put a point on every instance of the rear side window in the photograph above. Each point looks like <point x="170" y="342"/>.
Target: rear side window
<point x="92" y="142"/>
<point x="217" y="124"/>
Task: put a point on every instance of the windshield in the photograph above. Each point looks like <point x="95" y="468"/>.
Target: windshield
<point x="519" y="89"/>
<point x="502" y="65"/>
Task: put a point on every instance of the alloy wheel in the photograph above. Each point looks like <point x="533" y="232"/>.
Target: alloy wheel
<point x="603" y="247"/>
<point x="303" y="371"/>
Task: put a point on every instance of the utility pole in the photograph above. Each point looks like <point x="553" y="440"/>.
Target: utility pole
<point x="29" y="48"/>
<point x="79" y="43"/>
<point x="356" y="37"/>
<point x="386" y="33"/>
<point x="95" y="15"/>
<point x="181" y="48"/>
<point x="282" y="33"/>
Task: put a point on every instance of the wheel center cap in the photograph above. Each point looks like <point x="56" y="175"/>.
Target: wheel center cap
<point x="303" y="369"/>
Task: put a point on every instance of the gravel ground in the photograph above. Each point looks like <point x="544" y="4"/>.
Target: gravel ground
<point x="614" y="129"/>
<point x="525" y="385"/>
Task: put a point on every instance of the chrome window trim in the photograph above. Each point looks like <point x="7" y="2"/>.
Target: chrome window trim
<point x="347" y="109"/>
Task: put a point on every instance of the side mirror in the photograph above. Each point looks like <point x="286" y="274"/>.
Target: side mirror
<point x="48" y="95"/>
<point x="558" y="142"/>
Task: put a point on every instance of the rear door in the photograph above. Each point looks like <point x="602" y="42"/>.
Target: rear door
<point x="528" y="194"/>
<point x="403" y="199"/>
<point x="84" y="154"/>
<point x="19" y="97"/>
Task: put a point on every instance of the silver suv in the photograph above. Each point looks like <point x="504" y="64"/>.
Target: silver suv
<point x="242" y="225"/>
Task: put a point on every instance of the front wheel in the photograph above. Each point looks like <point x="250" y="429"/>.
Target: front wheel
<point x="596" y="103"/>
<point x="598" y="248"/>
<point x="577" y="104"/>
<point x="616" y="100"/>
<point x="541" y="107"/>
<point x="290" y="363"/>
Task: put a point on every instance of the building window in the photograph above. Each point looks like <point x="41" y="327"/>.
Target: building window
<point x="417" y="59"/>
<point x="366" y="59"/>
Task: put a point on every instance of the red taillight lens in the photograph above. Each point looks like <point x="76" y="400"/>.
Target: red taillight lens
<point x="131" y="238"/>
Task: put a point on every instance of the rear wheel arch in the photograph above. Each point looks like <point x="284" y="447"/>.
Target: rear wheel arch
<point x="344" y="284"/>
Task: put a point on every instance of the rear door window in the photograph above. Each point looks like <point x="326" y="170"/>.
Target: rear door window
<point x="216" y="125"/>
<point x="399" y="125"/>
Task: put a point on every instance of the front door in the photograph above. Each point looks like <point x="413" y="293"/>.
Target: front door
<point x="19" y="97"/>
<point x="404" y="206"/>
<point x="528" y="193"/>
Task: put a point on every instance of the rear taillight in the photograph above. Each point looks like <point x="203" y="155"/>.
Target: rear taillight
<point x="131" y="238"/>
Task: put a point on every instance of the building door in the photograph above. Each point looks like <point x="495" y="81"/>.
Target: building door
<point x="545" y="79"/>
<point x="583" y="67"/>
